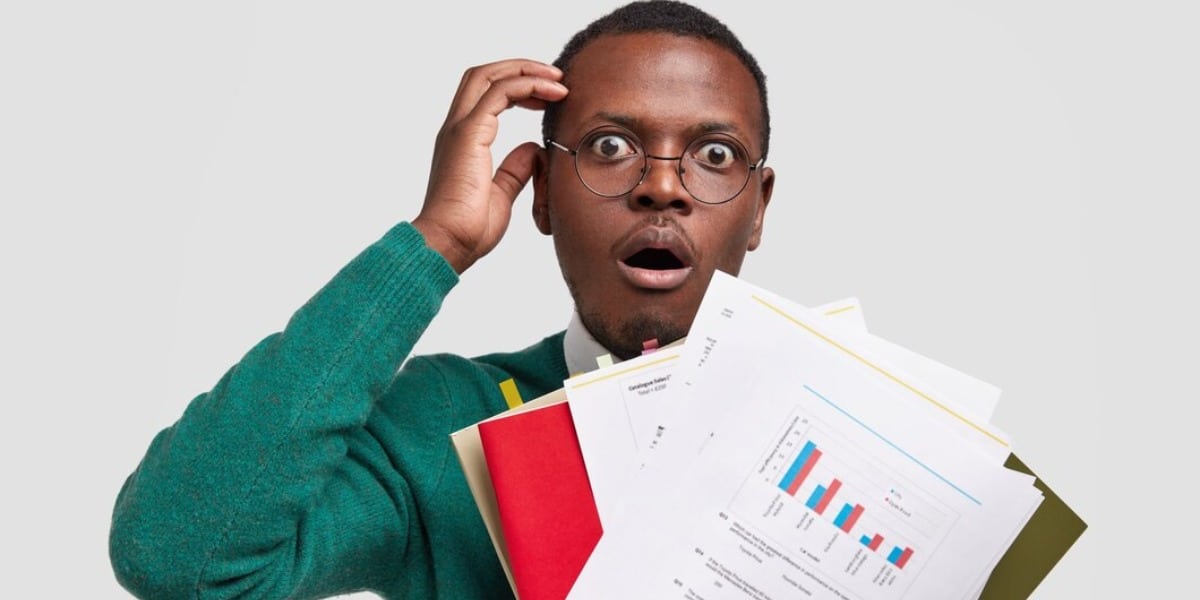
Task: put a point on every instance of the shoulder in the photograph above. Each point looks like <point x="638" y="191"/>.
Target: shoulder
<point x="541" y="367"/>
<point x="466" y="389"/>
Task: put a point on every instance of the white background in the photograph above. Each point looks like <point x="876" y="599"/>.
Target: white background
<point x="1007" y="187"/>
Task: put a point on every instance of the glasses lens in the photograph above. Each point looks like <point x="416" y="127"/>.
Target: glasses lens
<point x="715" y="168"/>
<point x="610" y="162"/>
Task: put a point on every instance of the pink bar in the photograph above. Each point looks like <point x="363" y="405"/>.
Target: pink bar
<point x="804" y="471"/>
<point x="904" y="556"/>
<point x="875" y="541"/>
<point x="828" y="496"/>
<point x="853" y="518"/>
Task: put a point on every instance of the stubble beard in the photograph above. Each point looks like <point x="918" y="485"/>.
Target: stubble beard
<point x="624" y="336"/>
<point x="626" y="339"/>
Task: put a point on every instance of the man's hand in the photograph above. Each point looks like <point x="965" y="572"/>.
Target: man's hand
<point x="467" y="205"/>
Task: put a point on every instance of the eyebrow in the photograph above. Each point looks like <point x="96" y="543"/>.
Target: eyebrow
<point x="633" y="124"/>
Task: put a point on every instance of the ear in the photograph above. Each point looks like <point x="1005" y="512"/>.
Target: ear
<point x="541" y="192"/>
<point x="766" y="186"/>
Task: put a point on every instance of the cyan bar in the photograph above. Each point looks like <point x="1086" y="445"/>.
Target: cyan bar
<point x="815" y="498"/>
<point x="864" y="540"/>
<point x="804" y="471"/>
<point x="797" y="464"/>
<point x="894" y="555"/>
<point x="843" y="515"/>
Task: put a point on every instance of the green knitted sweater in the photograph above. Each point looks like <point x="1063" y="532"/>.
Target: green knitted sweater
<point x="315" y="468"/>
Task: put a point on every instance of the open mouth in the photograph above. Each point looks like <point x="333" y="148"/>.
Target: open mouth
<point x="654" y="259"/>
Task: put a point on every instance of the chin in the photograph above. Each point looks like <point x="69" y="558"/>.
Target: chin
<point x="624" y="338"/>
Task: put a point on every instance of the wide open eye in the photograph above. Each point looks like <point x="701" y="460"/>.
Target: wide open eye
<point x="715" y="153"/>
<point x="611" y="146"/>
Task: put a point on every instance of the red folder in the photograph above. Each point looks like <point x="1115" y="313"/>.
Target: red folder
<point x="547" y="511"/>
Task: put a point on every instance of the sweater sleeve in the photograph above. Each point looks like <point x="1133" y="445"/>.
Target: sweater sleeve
<point x="224" y="502"/>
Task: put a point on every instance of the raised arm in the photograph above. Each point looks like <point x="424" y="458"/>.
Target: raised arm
<point x="270" y="485"/>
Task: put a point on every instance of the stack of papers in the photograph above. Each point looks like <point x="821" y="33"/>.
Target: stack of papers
<point x="780" y="452"/>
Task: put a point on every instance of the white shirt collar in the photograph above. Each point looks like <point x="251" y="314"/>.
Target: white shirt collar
<point x="580" y="349"/>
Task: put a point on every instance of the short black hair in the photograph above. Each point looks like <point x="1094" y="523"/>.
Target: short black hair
<point x="661" y="16"/>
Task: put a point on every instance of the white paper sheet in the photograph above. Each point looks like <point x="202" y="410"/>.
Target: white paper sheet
<point x="732" y="521"/>
<point x="615" y="411"/>
<point x="771" y="333"/>
<point x="618" y="413"/>
<point x="620" y="410"/>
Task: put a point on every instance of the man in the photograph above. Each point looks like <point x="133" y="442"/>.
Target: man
<point x="313" y="468"/>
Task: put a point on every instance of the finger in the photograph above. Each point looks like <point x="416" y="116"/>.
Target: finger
<point x="514" y="172"/>
<point x="529" y="92"/>
<point x="477" y="80"/>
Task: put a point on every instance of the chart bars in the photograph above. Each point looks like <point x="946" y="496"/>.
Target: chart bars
<point x="899" y="556"/>
<point x="822" y="496"/>
<point x="848" y="516"/>
<point x="801" y="467"/>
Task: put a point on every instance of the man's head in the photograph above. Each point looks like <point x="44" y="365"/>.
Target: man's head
<point x="662" y="16"/>
<point x="664" y="87"/>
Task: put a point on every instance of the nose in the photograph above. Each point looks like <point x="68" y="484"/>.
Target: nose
<point x="661" y="187"/>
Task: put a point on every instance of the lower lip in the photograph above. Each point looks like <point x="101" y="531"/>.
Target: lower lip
<point x="653" y="279"/>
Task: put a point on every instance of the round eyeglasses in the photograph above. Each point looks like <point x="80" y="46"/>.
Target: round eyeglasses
<point x="610" y="161"/>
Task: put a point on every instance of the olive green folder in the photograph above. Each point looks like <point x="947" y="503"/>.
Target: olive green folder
<point x="1044" y="540"/>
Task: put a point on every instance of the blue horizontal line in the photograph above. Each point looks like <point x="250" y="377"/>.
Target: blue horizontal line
<point x="897" y="448"/>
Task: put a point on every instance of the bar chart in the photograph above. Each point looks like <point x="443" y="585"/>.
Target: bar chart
<point x="823" y="494"/>
<point x="858" y="521"/>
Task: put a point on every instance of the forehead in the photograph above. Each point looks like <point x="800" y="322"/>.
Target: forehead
<point x="660" y="84"/>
